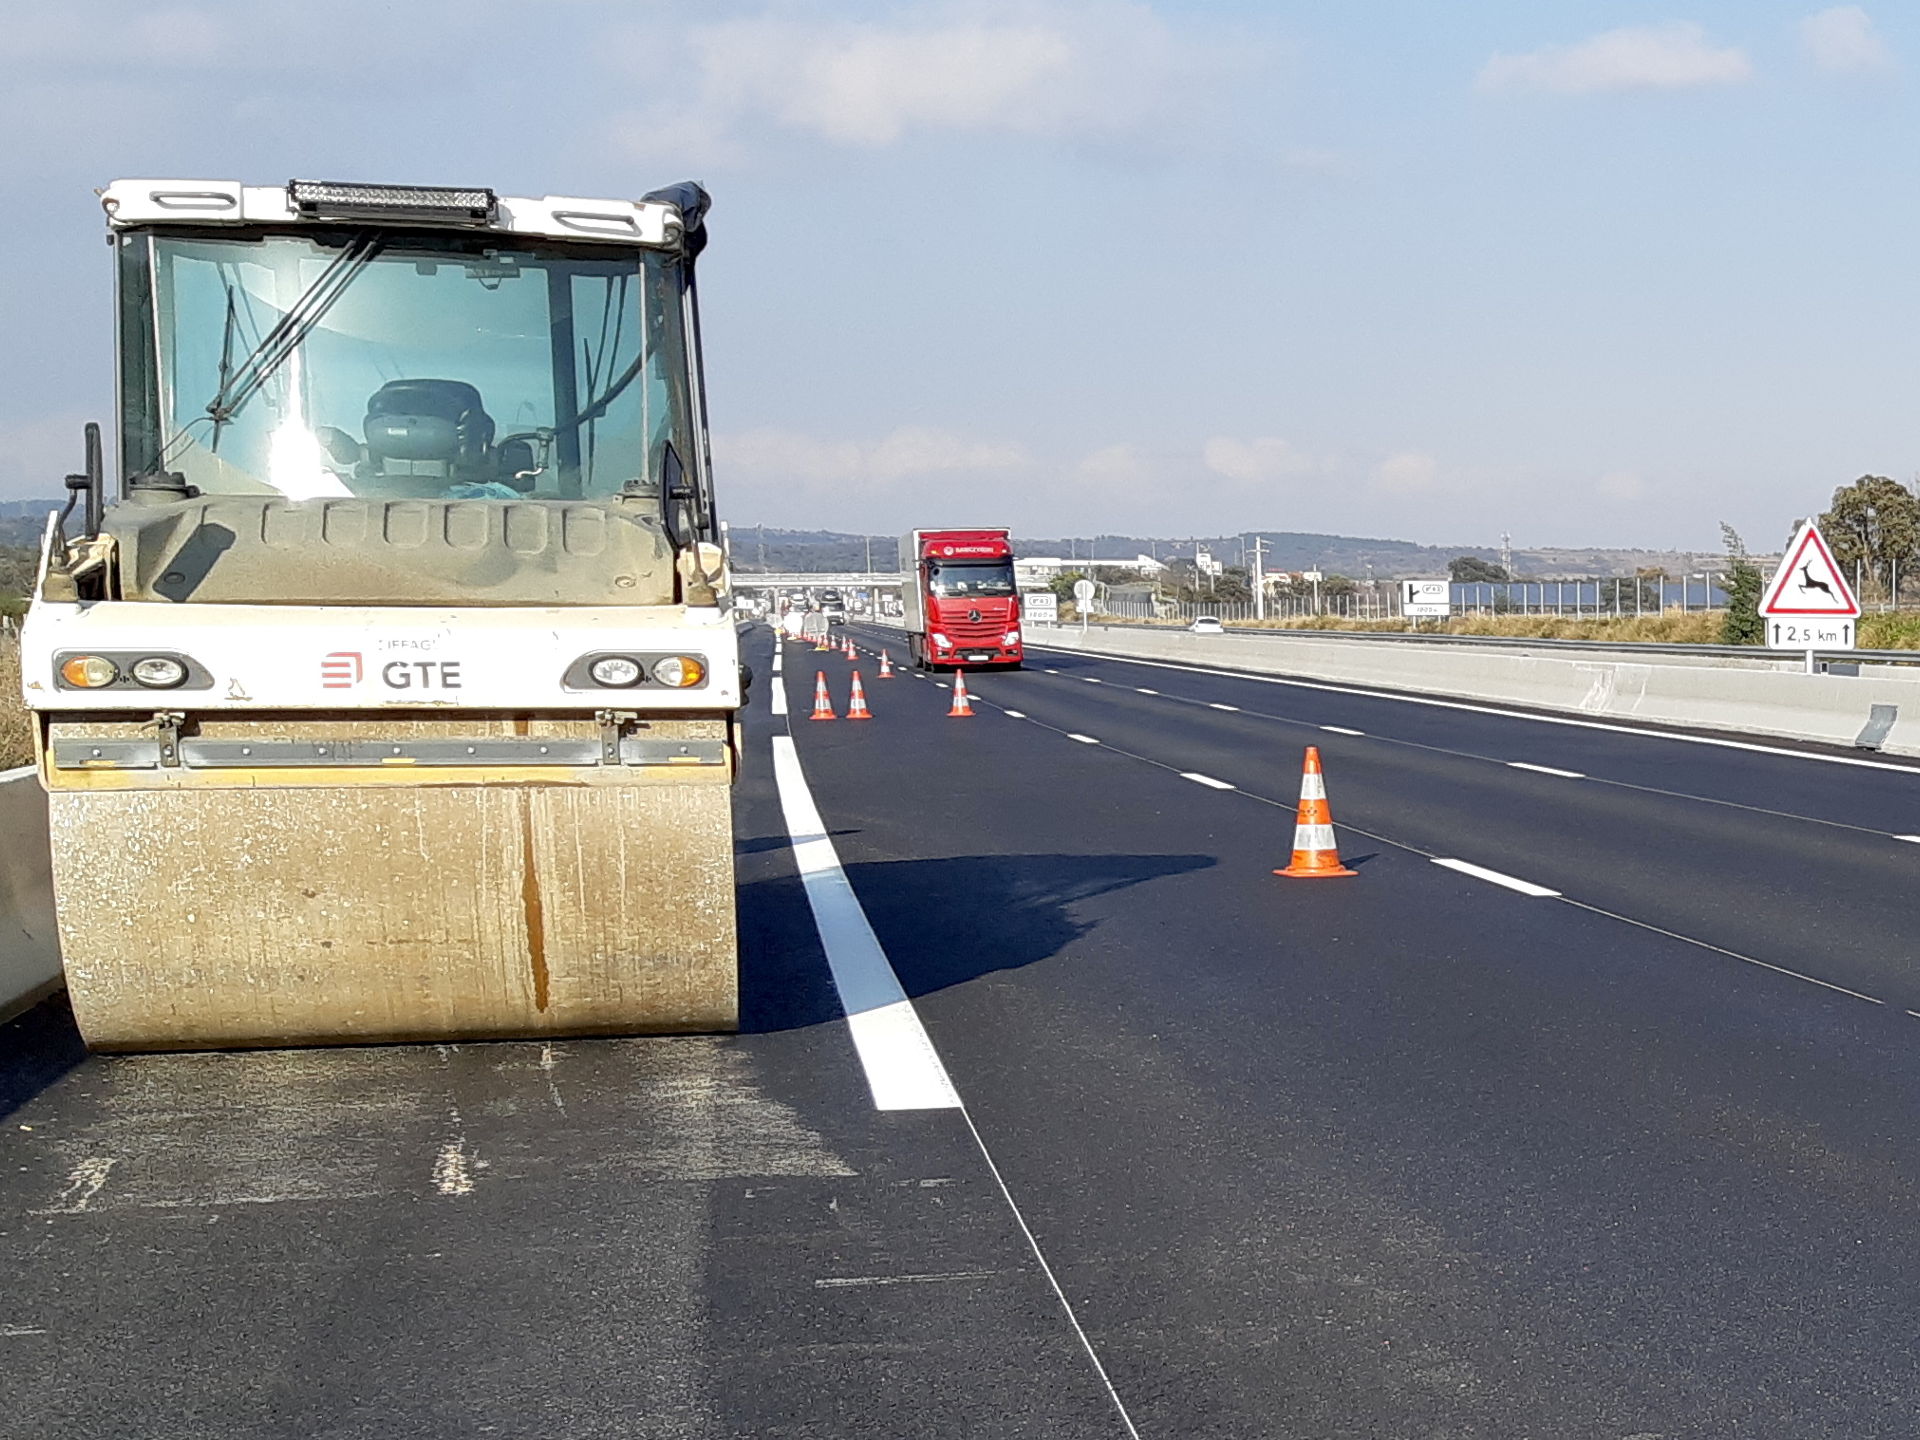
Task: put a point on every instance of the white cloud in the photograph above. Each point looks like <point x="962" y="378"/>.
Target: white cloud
<point x="1079" y="70"/>
<point x="908" y="453"/>
<point x="1258" y="461"/>
<point x="1120" y="466"/>
<point x="1673" y="56"/>
<point x="1843" y="41"/>
<point x="1411" y="472"/>
<point x="1622" y="485"/>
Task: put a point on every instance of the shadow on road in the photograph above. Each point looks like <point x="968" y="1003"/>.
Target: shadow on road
<point x="36" y="1049"/>
<point x="941" y="922"/>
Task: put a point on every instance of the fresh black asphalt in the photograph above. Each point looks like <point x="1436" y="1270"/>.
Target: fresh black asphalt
<point x="1402" y="1155"/>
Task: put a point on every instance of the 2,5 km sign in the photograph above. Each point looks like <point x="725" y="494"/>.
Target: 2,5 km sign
<point x="1808" y="605"/>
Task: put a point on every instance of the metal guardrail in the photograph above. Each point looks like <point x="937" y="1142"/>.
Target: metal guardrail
<point x="1512" y="642"/>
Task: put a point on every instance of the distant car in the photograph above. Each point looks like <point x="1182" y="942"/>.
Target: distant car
<point x="1208" y="625"/>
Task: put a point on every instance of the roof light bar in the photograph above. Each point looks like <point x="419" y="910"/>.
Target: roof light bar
<point x="331" y="199"/>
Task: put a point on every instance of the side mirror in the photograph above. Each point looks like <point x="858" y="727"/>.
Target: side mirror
<point x="677" y="497"/>
<point x="90" y="485"/>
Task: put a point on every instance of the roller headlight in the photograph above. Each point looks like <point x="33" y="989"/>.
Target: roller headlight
<point x="159" y="672"/>
<point x="679" y="671"/>
<point x="615" y="670"/>
<point x="89" y="672"/>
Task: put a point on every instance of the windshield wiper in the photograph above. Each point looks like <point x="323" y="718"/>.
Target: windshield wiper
<point x="241" y="383"/>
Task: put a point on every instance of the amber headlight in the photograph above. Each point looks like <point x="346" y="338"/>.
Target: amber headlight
<point x="89" y="672"/>
<point x="679" y="671"/>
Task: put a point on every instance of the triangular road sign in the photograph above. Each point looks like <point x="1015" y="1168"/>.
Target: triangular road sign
<point x="1809" y="581"/>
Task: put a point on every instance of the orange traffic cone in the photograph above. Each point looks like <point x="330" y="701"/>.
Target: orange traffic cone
<point x="961" y="704"/>
<point x="886" y="666"/>
<point x="857" y="702"/>
<point x="1315" y="855"/>
<point x="822" y="704"/>
<point x="851" y="653"/>
<point x="822" y="645"/>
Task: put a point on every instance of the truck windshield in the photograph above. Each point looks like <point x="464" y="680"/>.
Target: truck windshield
<point x="970" y="579"/>
<point x="401" y="365"/>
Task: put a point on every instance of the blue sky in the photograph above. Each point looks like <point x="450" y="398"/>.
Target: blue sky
<point x="1590" y="273"/>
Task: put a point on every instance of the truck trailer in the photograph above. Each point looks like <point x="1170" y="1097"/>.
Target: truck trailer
<point x="389" y="689"/>
<point x="959" y="603"/>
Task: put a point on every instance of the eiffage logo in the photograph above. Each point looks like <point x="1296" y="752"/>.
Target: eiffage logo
<point x="341" y="670"/>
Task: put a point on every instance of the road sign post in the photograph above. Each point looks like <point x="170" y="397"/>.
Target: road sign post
<point x="1808" y="604"/>
<point x="1082" y="594"/>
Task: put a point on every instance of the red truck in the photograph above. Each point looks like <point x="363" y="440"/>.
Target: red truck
<point x="959" y="603"/>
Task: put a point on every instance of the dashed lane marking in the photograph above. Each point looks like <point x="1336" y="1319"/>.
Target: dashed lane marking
<point x="1083" y="739"/>
<point x="903" y="1070"/>
<point x="1207" y="780"/>
<point x="840" y="1282"/>
<point x="778" y="693"/>
<point x="1545" y="770"/>
<point x="1216" y="705"/>
<point x="1494" y="877"/>
<point x="1016" y="714"/>
<point x="1461" y="865"/>
<point x="1143" y="690"/>
<point x="1910" y="839"/>
<point x="1538" y="718"/>
<point x="1093" y="679"/>
<point x="1341" y="730"/>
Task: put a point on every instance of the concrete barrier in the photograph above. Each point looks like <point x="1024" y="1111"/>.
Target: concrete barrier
<point x="1837" y="709"/>
<point x="29" y="946"/>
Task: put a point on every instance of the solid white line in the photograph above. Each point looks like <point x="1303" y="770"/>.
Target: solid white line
<point x="1207" y="780"/>
<point x="1015" y="714"/>
<point x="1439" y="704"/>
<point x="1083" y="739"/>
<point x="778" y="693"/>
<point x="1545" y="770"/>
<point x="1341" y="730"/>
<point x="903" y="1069"/>
<point x="1525" y="887"/>
<point x="1216" y="705"/>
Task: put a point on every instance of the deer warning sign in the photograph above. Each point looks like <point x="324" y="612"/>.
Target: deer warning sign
<point x="1809" y="605"/>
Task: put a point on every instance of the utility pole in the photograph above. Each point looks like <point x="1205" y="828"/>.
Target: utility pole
<point x="1259" y="576"/>
<point x="1506" y="553"/>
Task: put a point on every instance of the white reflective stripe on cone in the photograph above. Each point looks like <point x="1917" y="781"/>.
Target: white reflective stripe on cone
<point x="1313" y="837"/>
<point x="1313" y="787"/>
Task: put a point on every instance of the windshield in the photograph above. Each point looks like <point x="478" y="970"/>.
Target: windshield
<point x="970" y="580"/>
<point x="396" y="365"/>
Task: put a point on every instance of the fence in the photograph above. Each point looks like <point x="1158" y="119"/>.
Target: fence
<point x="1380" y="600"/>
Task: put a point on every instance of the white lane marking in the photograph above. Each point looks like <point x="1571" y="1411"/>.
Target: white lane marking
<point x="1142" y="690"/>
<point x="846" y="1281"/>
<point x="1093" y="680"/>
<point x="1341" y="730"/>
<point x="1052" y="672"/>
<point x="15" y="1332"/>
<point x="1480" y="872"/>
<point x="1216" y="705"/>
<point x="1083" y="739"/>
<point x="1207" y="780"/>
<point x="1015" y="714"/>
<point x="1545" y="770"/>
<point x="1569" y="720"/>
<point x="903" y="1070"/>
<point x="779" y="695"/>
<point x="1910" y="839"/>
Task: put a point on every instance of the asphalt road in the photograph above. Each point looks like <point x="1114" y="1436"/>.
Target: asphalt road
<point x="1411" y="1154"/>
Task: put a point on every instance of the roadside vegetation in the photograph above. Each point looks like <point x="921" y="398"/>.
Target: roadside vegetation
<point x="16" y="739"/>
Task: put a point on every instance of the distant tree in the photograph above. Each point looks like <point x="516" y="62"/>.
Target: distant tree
<point x="1874" y="523"/>
<point x="1062" y="584"/>
<point x="1468" y="569"/>
<point x="1742" y="624"/>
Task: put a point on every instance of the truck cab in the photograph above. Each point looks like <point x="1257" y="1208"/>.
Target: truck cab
<point x="959" y="601"/>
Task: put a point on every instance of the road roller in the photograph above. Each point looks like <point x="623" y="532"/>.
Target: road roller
<point x="386" y="680"/>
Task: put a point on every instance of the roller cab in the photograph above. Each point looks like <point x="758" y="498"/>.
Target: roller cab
<point x="389" y="692"/>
